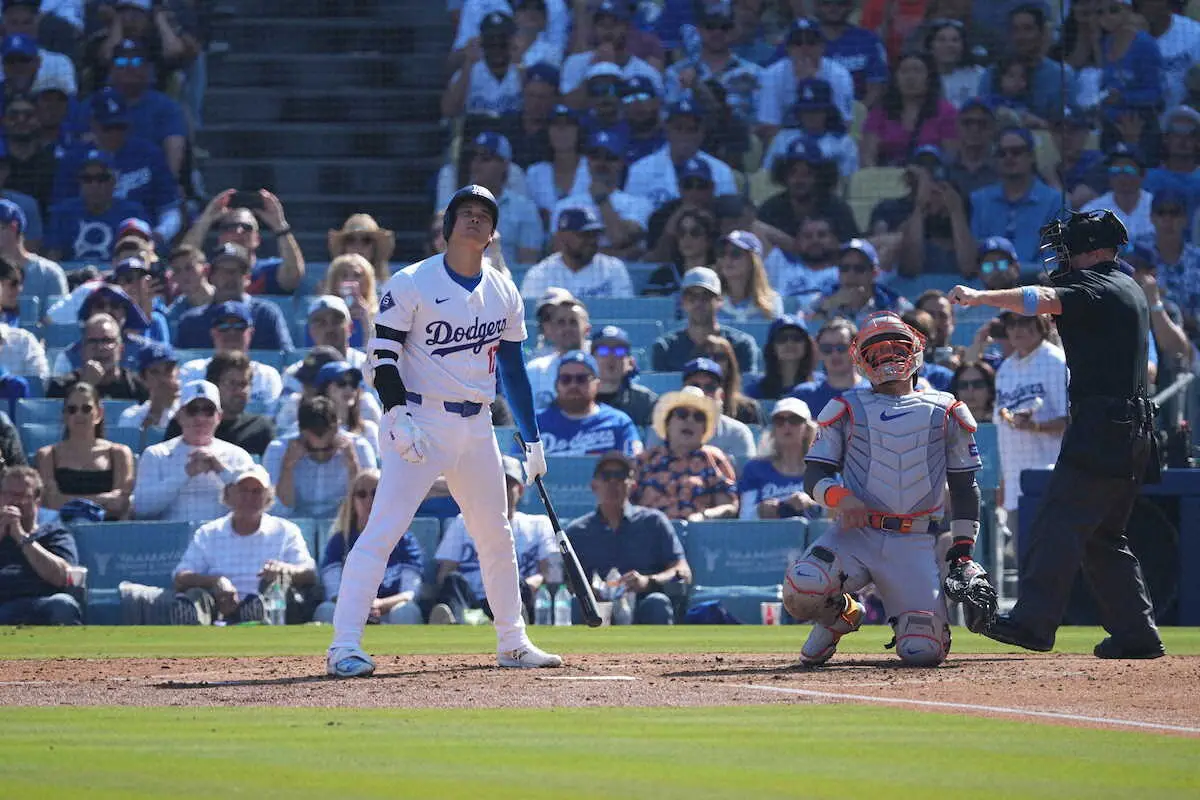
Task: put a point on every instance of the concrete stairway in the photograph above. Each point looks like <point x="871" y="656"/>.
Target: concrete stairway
<point x="332" y="105"/>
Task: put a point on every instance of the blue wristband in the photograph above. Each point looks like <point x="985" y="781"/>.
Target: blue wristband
<point x="1029" y="299"/>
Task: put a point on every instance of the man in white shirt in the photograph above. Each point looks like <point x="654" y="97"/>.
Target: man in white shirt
<point x="1178" y="40"/>
<point x="579" y="266"/>
<point x="232" y="329"/>
<point x="22" y="354"/>
<point x="1126" y="197"/>
<point x="610" y="21"/>
<point x="656" y="176"/>
<point x="489" y="83"/>
<point x="231" y="562"/>
<point x="558" y="20"/>
<point x="21" y="20"/>
<point x="159" y="370"/>
<point x="182" y="479"/>
<point x="805" y="59"/>
<point x="813" y="268"/>
<point x="568" y="326"/>
<point x="598" y="186"/>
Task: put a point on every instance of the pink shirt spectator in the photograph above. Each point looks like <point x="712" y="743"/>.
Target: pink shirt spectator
<point x="895" y="143"/>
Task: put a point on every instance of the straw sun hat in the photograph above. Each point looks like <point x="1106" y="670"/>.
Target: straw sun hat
<point x="385" y="240"/>
<point x="687" y="397"/>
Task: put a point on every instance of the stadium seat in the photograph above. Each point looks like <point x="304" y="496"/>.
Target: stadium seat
<point x="30" y="308"/>
<point x="39" y="411"/>
<point x="35" y="436"/>
<point x="311" y="530"/>
<point x="140" y="552"/>
<point x="113" y="409"/>
<point x="660" y="382"/>
<point x="870" y="185"/>
<point x="762" y="187"/>
<point x="427" y="531"/>
<point x="60" y="335"/>
<point x="616" y="311"/>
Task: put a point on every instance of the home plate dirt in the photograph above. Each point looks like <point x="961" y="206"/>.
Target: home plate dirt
<point x="1135" y="691"/>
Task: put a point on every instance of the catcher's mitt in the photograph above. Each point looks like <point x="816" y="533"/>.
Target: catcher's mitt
<point x="968" y="584"/>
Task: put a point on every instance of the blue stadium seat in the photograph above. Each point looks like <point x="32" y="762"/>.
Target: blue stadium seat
<point x="130" y="437"/>
<point x="615" y="311"/>
<point x="39" y="411"/>
<point x="30" y="309"/>
<point x="314" y="273"/>
<point x="644" y="332"/>
<point x="139" y="552"/>
<point x="311" y="530"/>
<point x="428" y="533"/>
<point x="742" y="562"/>
<point x="113" y="409"/>
<point x="913" y="287"/>
<point x="989" y="452"/>
<point x="35" y="436"/>
<point x="659" y="382"/>
<point x="570" y="470"/>
<point x="60" y="335"/>
<point x="756" y="328"/>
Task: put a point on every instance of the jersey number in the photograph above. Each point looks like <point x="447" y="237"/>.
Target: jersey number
<point x="492" y="358"/>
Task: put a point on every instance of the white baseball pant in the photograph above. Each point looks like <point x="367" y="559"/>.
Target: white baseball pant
<point x="465" y="451"/>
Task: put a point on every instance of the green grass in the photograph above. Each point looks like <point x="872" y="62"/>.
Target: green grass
<point x="164" y="642"/>
<point x="741" y="752"/>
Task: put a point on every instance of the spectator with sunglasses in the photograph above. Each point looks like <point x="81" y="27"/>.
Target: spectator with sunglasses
<point x="772" y="486"/>
<point x="974" y="383"/>
<point x="641" y="108"/>
<point x="625" y="216"/>
<point x="547" y="182"/>
<point x="688" y="239"/>
<point x="731" y="436"/>
<point x="240" y="226"/>
<point x="701" y="299"/>
<point x="152" y="114"/>
<point x="789" y="357"/>
<point x="578" y="265"/>
<point x="343" y="384"/>
<point x="858" y="293"/>
<point x="660" y="176"/>
<point x="618" y="376"/>
<point x="685" y="477"/>
<point x="748" y="294"/>
<point x="312" y="469"/>
<point x="489" y="83"/>
<point x="1017" y="205"/>
<point x="134" y="276"/>
<point x="602" y="110"/>
<point x="232" y="331"/>
<point x="1180" y="167"/>
<point x="837" y="374"/>
<point x="88" y="300"/>
<point x="84" y="227"/>
<point x="1174" y="260"/>
<point x="183" y="478"/>
<point x="167" y="29"/>
<point x="231" y="372"/>
<point x="999" y="267"/>
<point x="974" y="165"/>
<point x="231" y="273"/>
<point x="611" y="26"/>
<point x="1126" y="196"/>
<point x="101" y="356"/>
<point x="575" y="424"/>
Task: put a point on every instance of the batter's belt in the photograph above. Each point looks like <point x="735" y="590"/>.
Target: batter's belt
<point x="463" y="408"/>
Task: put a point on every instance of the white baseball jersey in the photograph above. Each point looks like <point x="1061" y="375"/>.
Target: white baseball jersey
<point x="791" y="276"/>
<point x="1038" y="381"/>
<point x="778" y="92"/>
<point x="1180" y="48"/>
<point x="604" y="276"/>
<point x="453" y="335"/>
<point x="654" y="177"/>
<point x="488" y="95"/>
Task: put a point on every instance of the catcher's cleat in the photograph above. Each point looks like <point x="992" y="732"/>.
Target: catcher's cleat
<point x="823" y="640"/>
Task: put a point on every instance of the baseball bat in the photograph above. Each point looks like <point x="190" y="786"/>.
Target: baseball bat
<point x="576" y="582"/>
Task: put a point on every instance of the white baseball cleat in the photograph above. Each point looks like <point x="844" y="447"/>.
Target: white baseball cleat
<point x="528" y="657"/>
<point x="822" y="642"/>
<point x="348" y="662"/>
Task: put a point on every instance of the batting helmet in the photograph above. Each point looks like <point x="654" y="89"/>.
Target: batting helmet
<point x="888" y="349"/>
<point x="471" y="192"/>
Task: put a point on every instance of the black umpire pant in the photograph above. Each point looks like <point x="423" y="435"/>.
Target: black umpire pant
<point x="1081" y="521"/>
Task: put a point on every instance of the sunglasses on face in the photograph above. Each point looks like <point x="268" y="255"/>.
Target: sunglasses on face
<point x="613" y="474"/>
<point x="201" y="409"/>
<point x="579" y="379"/>
<point x="637" y="97"/>
<point x="692" y="231"/>
<point x="694" y="184"/>
<point x="830" y="349"/>
<point x="1123" y="169"/>
<point x="236" y="227"/>
<point x="603" y="90"/>
<point x="347" y="383"/>
<point x="788" y="419"/>
<point x="855" y="266"/>
<point x="98" y="340"/>
<point x="977" y="383"/>
<point x="620" y="350"/>
<point x="227" y="327"/>
<point x="708" y="387"/>
<point x="86" y="408"/>
<point x="999" y="265"/>
<point x="95" y="177"/>
<point x="789" y="338"/>
<point x="692" y="414"/>
<point x="1012" y="152"/>
<point x="128" y="61"/>
<point x="363" y="494"/>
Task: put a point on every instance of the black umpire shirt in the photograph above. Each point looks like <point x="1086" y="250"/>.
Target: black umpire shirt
<point x="1105" y="325"/>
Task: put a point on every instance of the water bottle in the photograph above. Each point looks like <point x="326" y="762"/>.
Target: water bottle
<point x="543" y="607"/>
<point x="562" y="606"/>
<point x="276" y="604"/>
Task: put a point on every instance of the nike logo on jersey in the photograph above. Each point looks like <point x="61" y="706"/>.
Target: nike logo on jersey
<point x="883" y="416"/>
<point x="441" y="300"/>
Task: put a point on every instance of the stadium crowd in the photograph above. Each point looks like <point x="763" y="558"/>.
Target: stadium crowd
<point x="758" y="177"/>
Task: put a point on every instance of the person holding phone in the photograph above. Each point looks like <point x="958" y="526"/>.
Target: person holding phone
<point x="352" y="278"/>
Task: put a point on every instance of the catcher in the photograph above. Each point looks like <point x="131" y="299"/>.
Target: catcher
<point x="896" y="449"/>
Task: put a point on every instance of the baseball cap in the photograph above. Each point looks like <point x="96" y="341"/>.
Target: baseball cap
<point x="979" y="102"/>
<point x="814" y="94"/>
<point x="135" y="318"/>
<point x="695" y="168"/>
<point x="10" y="212"/>
<point x="109" y="108"/>
<point x="546" y="73"/>
<point x="254" y="472"/>
<point x="612" y="143"/>
<point x="864" y="247"/>
<point x="234" y="309"/>
<point x="1168" y="197"/>
<point x="716" y="11"/>
<point x="804" y="27"/>
<point x="803" y="150"/>
<point x="1186" y="112"/>
<point x="329" y="302"/>
<point x="52" y="80"/>
<point x="638" y="85"/>
<point x="317" y="357"/>
<point x="495" y="144"/>
<point x="612" y="333"/>
<point x="130" y="265"/>
<point x="155" y="353"/>
<point x="18" y="44"/>
<point x="234" y="251"/>
<point x="144" y="5"/>
<point x="998" y="244"/>
<point x="512" y="469"/>
<point x="135" y="227"/>
<point x="613" y="8"/>
<point x="744" y="240"/>
<point x="100" y="157"/>
<point x="1014" y="130"/>
<point x="702" y="364"/>
<point x="603" y="69"/>
<point x="684" y="107"/>
<point x="129" y="48"/>
<point x="328" y="373"/>
<point x="199" y="390"/>
<point x="1124" y="152"/>
<point x="927" y="153"/>
<point x="579" y="220"/>
<point x="579" y="357"/>
<point x="792" y="405"/>
<point x="702" y="277"/>
<point x="497" y="23"/>
<point x="554" y="296"/>
<point x="785" y="321"/>
<point x="612" y="457"/>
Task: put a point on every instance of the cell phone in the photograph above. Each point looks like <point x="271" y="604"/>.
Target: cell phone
<point x="245" y="199"/>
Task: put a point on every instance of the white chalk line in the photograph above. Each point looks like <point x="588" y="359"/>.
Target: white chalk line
<point x="1019" y="712"/>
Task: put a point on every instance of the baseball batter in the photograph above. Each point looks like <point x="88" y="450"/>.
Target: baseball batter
<point x="895" y="449"/>
<point x="446" y="325"/>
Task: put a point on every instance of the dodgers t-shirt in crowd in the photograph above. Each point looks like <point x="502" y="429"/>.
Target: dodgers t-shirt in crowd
<point x="155" y="116"/>
<point x="817" y="392"/>
<point x="761" y="481"/>
<point x="606" y="429"/>
<point x="82" y="236"/>
<point x="142" y="175"/>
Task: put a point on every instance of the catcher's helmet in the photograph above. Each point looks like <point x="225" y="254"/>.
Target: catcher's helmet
<point x="471" y="192"/>
<point x="888" y="349"/>
<point x="1082" y="233"/>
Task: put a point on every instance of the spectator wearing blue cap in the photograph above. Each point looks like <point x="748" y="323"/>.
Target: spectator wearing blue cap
<point x="22" y="61"/>
<point x="700" y="299"/>
<point x="666" y="234"/>
<point x="135" y="277"/>
<point x="343" y="384"/>
<point x="575" y="424"/>
<point x="23" y="18"/>
<point x="625" y="216"/>
<point x="91" y="299"/>
<point x="549" y="181"/>
<point x="84" y="227"/>
<point x="602" y="107"/>
<point x="789" y="359"/>
<point x="1176" y="261"/>
<point x="232" y="330"/>
<point x="169" y="32"/>
<point x="610" y="24"/>
<point x="557" y="14"/>
<point x="974" y="165"/>
<point x="1080" y="170"/>
<point x="1126" y="197"/>
<point x="522" y="230"/>
<point x="933" y="221"/>
<point x="527" y="128"/>
<point x="716" y="63"/>
<point x="1180" y="167"/>
<point x="808" y="181"/>
<point x="141" y="174"/>
<point x="858" y="293"/>
<point x="1052" y="84"/>
<point x="158" y="367"/>
<point x="657" y="176"/>
<point x="642" y="109"/>
<point x="1019" y="203"/>
<point x="152" y="114"/>
<point x="240" y="226"/>
<point x="577" y="265"/>
<point x="619" y="388"/>
<point x="999" y="267"/>
<point x="816" y="120"/>
<point x="229" y="272"/>
<point x="748" y="294"/>
<point x="489" y="83"/>
<point x="911" y="114"/>
<point x="805" y="59"/>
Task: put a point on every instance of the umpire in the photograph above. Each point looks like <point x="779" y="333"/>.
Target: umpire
<point x="1107" y="452"/>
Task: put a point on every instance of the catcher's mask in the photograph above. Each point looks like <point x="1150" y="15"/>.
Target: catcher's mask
<point x="888" y="349"/>
<point x="1080" y="233"/>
